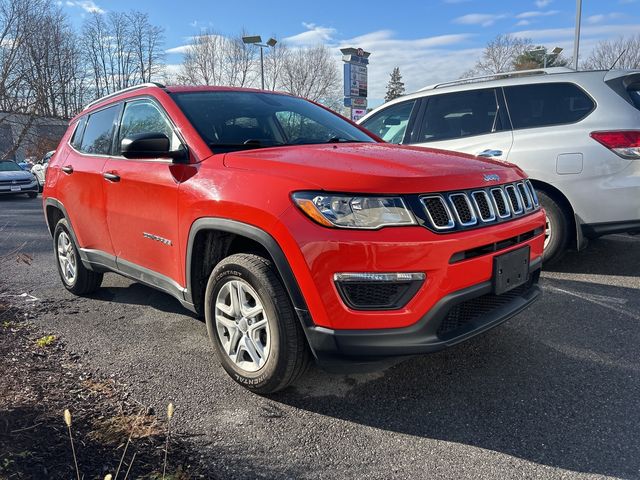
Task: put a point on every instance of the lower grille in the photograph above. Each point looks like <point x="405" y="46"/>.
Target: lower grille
<point x="464" y="313"/>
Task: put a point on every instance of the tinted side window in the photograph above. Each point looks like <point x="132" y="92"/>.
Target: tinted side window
<point x="145" y="117"/>
<point x="98" y="134"/>
<point x="462" y="114"/>
<point x="77" y="134"/>
<point x="547" y="104"/>
<point x="390" y="124"/>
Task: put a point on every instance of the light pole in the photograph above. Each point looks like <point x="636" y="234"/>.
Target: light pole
<point x="257" y="41"/>
<point x="576" y="41"/>
<point x="555" y="52"/>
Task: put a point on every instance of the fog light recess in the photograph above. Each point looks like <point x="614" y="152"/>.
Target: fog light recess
<point x="378" y="291"/>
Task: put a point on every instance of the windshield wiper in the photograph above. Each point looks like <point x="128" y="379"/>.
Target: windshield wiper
<point x="247" y="145"/>
<point x="344" y="140"/>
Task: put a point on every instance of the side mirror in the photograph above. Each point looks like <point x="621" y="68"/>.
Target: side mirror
<point x="152" y="145"/>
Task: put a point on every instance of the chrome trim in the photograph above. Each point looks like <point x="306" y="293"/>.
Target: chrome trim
<point x="532" y="190"/>
<point x="378" y="277"/>
<point x="451" y="223"/>
<point x="528" y="201"/>
<point x="505" y="199"/>
<point x="474" y="217"/>
<point x="514" y="210"/>
<point x="492" y="213"/>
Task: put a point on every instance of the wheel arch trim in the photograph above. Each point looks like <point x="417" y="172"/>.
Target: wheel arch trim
<point x="258" y="235"/>
<point x="52" y="202"/>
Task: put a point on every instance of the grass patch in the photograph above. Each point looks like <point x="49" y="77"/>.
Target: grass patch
<point x="45" y="341"/>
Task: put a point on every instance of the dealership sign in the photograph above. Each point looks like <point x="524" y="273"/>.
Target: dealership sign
<point x="355" y="80"/>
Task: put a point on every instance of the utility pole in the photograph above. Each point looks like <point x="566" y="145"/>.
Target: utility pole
<point x="576" y="41"/>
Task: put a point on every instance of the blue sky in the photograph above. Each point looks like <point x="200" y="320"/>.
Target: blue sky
<point x="430" y="41"/>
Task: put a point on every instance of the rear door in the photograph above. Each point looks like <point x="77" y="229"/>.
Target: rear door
<point x="473" y="122"/>
<point x="80" y="182"/>
<point x="141" y="197"/>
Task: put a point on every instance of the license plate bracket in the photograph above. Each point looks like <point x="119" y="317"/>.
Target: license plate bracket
<point x="511" y="270"/>
<point x="15" y="188"/>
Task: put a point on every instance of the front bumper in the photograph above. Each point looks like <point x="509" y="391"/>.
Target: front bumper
<point x="28" y="188"/>
<point x="334" y="347"/>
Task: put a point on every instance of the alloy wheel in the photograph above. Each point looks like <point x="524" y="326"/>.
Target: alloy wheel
<point x="67" y="258"/>
<point x="242" y="326"/>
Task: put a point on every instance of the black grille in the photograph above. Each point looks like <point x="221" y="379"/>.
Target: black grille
<point x="462" y="207"/>
<point x="513" y="198"/>
<point x="498" y="198"/>
<point x="371" y="295"/>
<point x="525" y="197"/>
<point x="437" y="210"/>
<point x="15" y="182"/>
<point x="483" y="205"/>
<point x="464" y="313"/>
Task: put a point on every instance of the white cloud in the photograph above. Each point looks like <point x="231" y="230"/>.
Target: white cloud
<point x="522" y="23"/>
<point x="537" y="13"/>
<point x="593" y="19"/>
<point x="87" y="5"/>
<point x="484" y="19"/>
<point x="315" y="34"/>
<point x="422" y="61"/>
<point x="542" y="3"/>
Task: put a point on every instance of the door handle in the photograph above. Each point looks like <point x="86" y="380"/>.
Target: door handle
<point x="68" y="169"/>
<point x="490" y="153"/>
<point x="112" y="177"/>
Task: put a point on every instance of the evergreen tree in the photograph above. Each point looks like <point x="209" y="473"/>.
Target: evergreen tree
<point x="395" y="87"/>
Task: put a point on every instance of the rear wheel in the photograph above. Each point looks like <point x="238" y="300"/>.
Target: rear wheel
<point x="74" y="275"/>
<point x="252" y="324"/>
<point x="557" y="231"/>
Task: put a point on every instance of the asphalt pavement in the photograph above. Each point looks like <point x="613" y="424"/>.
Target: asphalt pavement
<point x="553" y="393"/>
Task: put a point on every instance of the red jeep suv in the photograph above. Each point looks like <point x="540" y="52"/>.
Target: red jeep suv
<point x="295" y="232"/>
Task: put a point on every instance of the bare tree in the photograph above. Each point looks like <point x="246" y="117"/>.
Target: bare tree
<point x="625" y="50"/>
<point x="212" y="59"/>
<point x="274" y="62"/>
<point x="311" y="73"/>
<point x="147" y="41"/>
<point x="500" y="55"/>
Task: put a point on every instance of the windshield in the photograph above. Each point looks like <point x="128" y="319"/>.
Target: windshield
<point x="230" y="120"/>
<point x="9" y="166"/>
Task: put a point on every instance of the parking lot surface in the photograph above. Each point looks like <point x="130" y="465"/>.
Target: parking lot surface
<point x="553" y="393"/>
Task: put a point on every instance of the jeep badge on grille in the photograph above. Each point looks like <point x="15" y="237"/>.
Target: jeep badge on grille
<point x="491" y="177"/>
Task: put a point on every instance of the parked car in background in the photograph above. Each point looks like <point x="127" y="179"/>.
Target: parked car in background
<point x="39" y="170"/>
<point x="14" y="180"/>
<point x="295" y="233"/>
<point x="576" y="134"/>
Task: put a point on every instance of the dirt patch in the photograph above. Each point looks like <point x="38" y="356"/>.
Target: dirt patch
<point x="39" y="380"/>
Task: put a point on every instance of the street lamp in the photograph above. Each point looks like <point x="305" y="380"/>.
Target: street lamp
<point x="257" y="41"/>
<point x="555" y="52"/>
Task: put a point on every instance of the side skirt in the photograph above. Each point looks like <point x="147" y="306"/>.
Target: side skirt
<point x="103" y="262"/>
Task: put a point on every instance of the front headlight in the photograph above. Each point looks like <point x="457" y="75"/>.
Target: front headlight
<point x="349" y="211"/>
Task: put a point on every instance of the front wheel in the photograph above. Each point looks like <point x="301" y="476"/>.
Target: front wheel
<point x="252" y="324"/>
<point x="557" y="231"/>
<point x="74" y="275"/>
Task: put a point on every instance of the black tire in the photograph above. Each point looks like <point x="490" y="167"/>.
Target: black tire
<point x="32" y="194"/>
<point x="288" y="355"/>
<point x="85" y="280"/>
<point x="558" y="226"/>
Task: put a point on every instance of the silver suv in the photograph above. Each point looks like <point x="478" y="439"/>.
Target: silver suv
<point x="576" y="134"/>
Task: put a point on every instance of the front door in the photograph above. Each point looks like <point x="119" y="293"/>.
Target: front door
<point x="473" y="122"/>
<point x="80" y="182"/>
<point x="141" y="197"/>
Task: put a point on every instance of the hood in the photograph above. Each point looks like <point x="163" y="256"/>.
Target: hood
<point x="376" y="167"/>
<point x="17" y="175"/>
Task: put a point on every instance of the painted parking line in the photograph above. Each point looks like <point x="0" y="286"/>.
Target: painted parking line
<point x="611" y="303"/>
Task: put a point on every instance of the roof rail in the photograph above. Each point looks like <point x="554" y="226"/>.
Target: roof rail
<point x="128" y="89"/>
<point x="500" y="76"/>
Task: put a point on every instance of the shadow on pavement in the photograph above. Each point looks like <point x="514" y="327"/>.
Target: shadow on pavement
<point x="612" y="255"/>
<point x="558" y="389"/>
